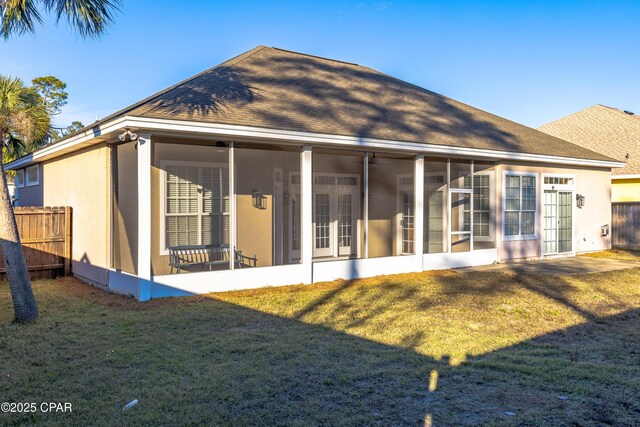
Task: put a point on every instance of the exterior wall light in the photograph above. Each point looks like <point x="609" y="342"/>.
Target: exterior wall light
<point x="258" y="200"/>
<point x="580" y="201"/>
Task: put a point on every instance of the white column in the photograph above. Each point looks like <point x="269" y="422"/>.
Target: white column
<point x="232" y="207"/>
<point x="365" y="215"/>
<point x="471" y="209"/>
<point x="306" y="211"/>
<point x="448" y="230"/>
<point x="144" y="217"/>
<point x="418" y="219"/>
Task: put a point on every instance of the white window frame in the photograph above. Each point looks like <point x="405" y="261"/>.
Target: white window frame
<point x="35" y="182"/>
<point x="492" y="196"/>
<point x="164" y="250"/>
<point x="563" y="188"/>
<point x="19" y="182"/>
<point x="536" y="215"/>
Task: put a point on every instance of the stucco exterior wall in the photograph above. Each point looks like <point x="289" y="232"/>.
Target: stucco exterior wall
<point x="625" y="190"/>
<point x="80" y="180"/>
<point x="594" y="184"/>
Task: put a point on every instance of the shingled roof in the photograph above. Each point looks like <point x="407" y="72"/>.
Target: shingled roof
<point x="607" y="130"/>
<point x="279" y="89"/>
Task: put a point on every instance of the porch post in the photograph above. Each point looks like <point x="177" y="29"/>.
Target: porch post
<point x="144" y="217"/>
<point x="365" y="217"/>
<point x="418" y="218"/>
<point x="232" y="207"/>
<point x="306" y="210"/>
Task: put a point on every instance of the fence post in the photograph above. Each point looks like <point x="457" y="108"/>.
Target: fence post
<point x="67" y="240"/>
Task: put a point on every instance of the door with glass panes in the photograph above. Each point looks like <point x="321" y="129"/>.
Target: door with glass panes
<point x="335" y="210"/>
<point x="558" y="222"/>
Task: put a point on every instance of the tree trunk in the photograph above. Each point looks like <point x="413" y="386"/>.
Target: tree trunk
<point x="24" y="303"/>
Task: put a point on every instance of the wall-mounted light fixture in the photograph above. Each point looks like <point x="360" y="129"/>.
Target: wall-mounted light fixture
<point x="604" y="230"/>
<point x="580" y="201"/>
<point x="220" y="146"/>
<point x="127" y="136"/>
<point x="373" y="160"/>
<point x="258" y="200"/>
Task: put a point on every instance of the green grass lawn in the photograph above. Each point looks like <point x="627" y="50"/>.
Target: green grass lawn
<point x="441" y="348"/>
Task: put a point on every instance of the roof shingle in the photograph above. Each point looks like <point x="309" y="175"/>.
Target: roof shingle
<point x="603" y="129"/>
<point x="278" y="89"/>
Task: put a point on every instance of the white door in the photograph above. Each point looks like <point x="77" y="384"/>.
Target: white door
<point x="335" y="213"/>
<point x="558" y="222"/>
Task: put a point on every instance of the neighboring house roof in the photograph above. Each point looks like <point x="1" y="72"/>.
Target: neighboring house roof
<point x="278" y="89"/>
<point x="606" y="130"/>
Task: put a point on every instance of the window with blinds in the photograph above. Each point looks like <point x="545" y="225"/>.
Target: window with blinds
<point x="520" y="205"/>
<point x="196" y="205"/>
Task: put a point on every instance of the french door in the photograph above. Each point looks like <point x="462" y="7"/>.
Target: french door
<point x="335" y="213"/>
<point x="558" y="222"/>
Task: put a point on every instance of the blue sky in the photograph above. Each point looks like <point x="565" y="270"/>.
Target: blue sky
<point x="531" y="62"/>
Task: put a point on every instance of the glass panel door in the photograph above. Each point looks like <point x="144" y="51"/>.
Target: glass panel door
<point x="558" y="222"/>
<point x="407" y="221"/>
<point x="550" y="242"/>
<point x="322" y="224"/>
<point x="565" y="221"/>
<point x="345" y="223"/>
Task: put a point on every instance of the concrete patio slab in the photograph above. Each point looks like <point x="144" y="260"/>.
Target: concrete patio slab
<point x="558" y="266"/>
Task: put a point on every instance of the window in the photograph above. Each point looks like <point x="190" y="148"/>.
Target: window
<point x="520" y="205"/>
<point x="196" y="205"/>
<point x="18" y="180"/>
<point x="33" y="175"/>
<point x="481" y="206"/>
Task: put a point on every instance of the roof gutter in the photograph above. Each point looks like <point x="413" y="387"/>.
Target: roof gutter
<point x="155" y="124"/>
<point x="635" y="176"/>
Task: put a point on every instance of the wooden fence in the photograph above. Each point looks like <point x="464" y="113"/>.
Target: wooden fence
<point x="625" y="226"/>
<point x="45" y="234"/>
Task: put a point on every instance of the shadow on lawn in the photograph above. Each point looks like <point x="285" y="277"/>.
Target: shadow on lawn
<point x="201" y="360"/>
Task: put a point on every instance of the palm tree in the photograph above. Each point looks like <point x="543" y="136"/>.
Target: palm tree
<point x="21" y="122"/>
<point x="89" y="17"/>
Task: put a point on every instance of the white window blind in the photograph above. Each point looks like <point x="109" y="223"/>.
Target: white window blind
<point x="197" y="205"/>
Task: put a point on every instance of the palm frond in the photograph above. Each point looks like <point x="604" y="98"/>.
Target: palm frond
<point x="18" y="17"/>
<point x="24" y="121"/>
<point x="89" y="17"/>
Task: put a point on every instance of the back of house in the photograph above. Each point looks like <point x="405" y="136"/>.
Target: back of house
<point x="277" y="167"/>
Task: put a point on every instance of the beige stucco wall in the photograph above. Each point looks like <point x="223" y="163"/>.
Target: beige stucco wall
<point x="594" y="184"/>
<point x="625" y="190"/>
<point x="79" y="180"/>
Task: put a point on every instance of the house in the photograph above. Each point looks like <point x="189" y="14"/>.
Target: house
<point x="278" y="167"/>
<point x="613" y="132"/>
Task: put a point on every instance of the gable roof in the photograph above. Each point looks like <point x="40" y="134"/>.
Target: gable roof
<point x="603" y="129"/>
<point x="273" y="88"/>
